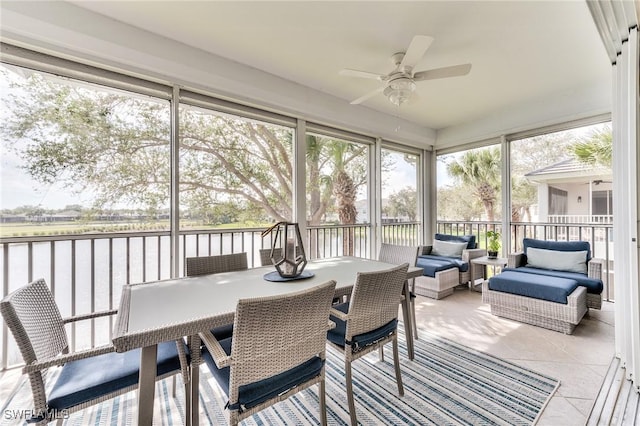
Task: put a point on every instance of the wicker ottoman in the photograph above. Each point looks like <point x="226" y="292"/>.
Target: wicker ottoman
<point x="439" y="286"/>
<point x="542" y="313"/>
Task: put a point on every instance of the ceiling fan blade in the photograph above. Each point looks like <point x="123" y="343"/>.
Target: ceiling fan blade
<point x="361" y="74"/>
<point x="367" y="96"/>
<point x="453" y="71"/>
<point x="415" y="52"/>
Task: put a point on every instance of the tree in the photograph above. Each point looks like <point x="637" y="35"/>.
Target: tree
<point x="479" y="170"/>
<point x="117" y="147"/>
<point x="454" y="203"/>
<point x="402" y="204"/>
<point x="597" y="149"/>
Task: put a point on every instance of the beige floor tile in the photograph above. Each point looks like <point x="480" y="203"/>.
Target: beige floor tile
<point x="580" y="361"/>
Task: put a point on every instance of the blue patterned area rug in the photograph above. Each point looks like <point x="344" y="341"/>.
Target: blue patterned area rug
<point x="446" y="384"/>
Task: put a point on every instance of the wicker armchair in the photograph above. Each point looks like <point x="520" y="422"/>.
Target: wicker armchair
<point x="368" y="321"/>
<point x="37" y="326"/>
<point x="278" y="349"/>
<point x="403" y="254"/>
<point x="216" y="265"/>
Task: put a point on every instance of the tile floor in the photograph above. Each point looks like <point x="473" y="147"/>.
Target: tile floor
<point x="580" y="361"/>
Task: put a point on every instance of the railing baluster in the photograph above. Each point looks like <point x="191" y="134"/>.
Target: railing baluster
<point x="93" y="291"/>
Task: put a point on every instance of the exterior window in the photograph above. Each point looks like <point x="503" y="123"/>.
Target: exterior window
<point x="557" y="201"/>
<point x="337" y="201"/>
<point x="235" y="174"/>
<point x="469" y="185"/>
<point x="602" y="203"/>
<point x="399" y="197"/>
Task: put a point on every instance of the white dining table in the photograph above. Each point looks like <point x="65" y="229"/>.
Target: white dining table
<point x="154" y="312"/>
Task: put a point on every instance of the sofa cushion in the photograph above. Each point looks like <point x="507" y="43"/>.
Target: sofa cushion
<point x="253" y="394"/>
<point x="570" y="261"/>
<point x="557" y="245"/>
<point x="542" y="287"/>
<point x="448" y="248"/>
<point x="593" y="285"/>
<point x="432" y="264"/>
<point x="469" y="239"/>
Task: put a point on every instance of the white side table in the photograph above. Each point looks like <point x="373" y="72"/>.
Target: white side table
<point x="483" y="262"/>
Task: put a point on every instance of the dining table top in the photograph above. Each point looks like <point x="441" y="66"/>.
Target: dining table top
<point x="169" y="309"/>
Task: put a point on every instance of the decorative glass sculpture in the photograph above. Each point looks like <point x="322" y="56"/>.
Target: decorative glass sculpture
<point x="287" y="251"/>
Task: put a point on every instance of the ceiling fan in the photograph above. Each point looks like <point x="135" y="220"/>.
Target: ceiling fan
<point x="400" y="84"/>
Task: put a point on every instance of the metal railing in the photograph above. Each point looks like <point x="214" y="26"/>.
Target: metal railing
<point x="401" y="233"/>
<point x="580" y="218"/>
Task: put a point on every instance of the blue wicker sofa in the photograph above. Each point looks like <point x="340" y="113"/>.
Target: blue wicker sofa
<point x="550" y="284"/>
<point x="446" y="264"/>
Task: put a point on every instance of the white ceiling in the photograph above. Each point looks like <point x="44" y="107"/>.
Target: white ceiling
<point x="522" y="51"/>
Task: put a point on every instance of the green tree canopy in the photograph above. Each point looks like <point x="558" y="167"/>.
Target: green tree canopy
<point x="479" y="171"/>
<point x="116" y="146"/>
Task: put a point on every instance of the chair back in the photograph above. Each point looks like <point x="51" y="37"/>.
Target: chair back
<point x="216" y="264"/>
<point x="375" y="299"/>
<point x="265" y="255"/>
<point x="33" y="317"/>
<point x="391" y="253"/>
<point x="274" y="334"/>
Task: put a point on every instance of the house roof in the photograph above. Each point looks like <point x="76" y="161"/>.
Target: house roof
<point x="569" y="170"/>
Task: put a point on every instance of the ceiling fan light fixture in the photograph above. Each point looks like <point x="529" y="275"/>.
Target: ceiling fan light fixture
<point x="400" y="90"/>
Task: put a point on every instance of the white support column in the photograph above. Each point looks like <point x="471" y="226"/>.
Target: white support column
<point x="429" y="192"/>
<point x="174" y="239"/>
<point x="424" y="200"/>
<point x="299" y="196"/>
<point x="506" y="195"/>
<point x="375" y="197"/>
<point x="632" y="137"/>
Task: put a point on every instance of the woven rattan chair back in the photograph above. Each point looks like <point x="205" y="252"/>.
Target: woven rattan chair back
<point x="216" y="264"/>
<point x="265" y="256"/>
<point x="375" y="299"/>
<point x="35" y="322"/>
<point x="391" y="253"/>
<point x="274" y="334"/>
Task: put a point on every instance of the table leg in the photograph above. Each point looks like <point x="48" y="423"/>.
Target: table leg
<point x="408" y="321"/>
<point x="147" y="384"/>
<point x="195" y="395"/>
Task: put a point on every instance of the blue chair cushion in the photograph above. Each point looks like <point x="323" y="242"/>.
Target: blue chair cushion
<point x="337" y="334"/>
<point x="542" y="287"/>
<point x="593" y="285"/>
<point x="469" y="239"/>
<point x="223" y="332"/>
<point x="432" y="264"/>
<point x="258" y="392"/>
<point x="557" y="245"/>
<point x="86" y="379"/>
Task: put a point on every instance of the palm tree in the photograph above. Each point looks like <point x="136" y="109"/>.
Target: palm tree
<point x="480" y="171"/>
<point x="597" y="150"/>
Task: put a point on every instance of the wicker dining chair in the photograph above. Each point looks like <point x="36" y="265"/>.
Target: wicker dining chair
<point x="265" y="256"/>
<point x="278" y="348"/>
<point x="368" y="321"/>
<point x="396" y="254"/>
<point x="215" y="265"/>
<point x="88" y="376"/>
